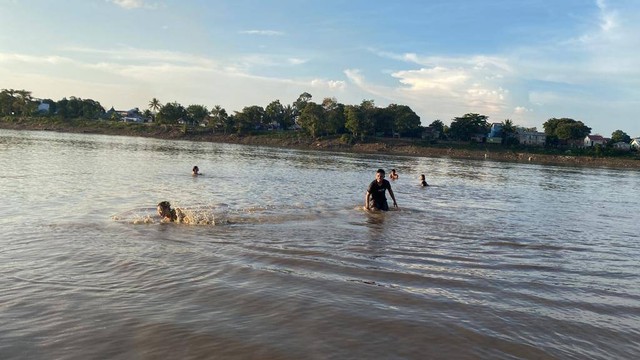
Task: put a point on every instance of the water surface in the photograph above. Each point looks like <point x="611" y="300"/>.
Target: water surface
<point x="495" y="260"/>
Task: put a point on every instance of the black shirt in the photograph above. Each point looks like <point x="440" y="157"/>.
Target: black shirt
<point x="377" y="190"/>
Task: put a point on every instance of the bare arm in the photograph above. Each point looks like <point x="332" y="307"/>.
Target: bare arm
<point x="393" y="197"/>
<point x="366" y="200"/>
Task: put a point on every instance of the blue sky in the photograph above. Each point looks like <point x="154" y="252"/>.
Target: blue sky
<point x="524" y="60"/>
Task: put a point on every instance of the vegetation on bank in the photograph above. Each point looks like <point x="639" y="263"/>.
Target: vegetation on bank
<point x="302" y="122"/>
<point x="302" y="140"/>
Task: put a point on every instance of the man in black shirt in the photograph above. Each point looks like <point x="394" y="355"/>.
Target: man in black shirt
<point x="375" y="193"/>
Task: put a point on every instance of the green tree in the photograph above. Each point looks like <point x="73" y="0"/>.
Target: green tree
<point x="250" y="118"/>
<point x="509" y="133"/>
<point x="6" y="101"/>
<point x="155" y="105"/>
<point x="355" y="121"/>
<point x="620" y="136"/>
<point x="197" y="113"/>
<point x="74" y="108"/>
<point x="405" y="121"/>
<point x="369" y="112"/>
<point x="16" y="102"/>
<point x="147" y="114"/>
<point x="438" y="126"/>
<point x="563" y="130"/>
<point x="171" y="113"/>
<point x="24" y="104"/>
<point x="312" y="119"/>
<point x="220" y="119"/>
<point x="300" y="103"/>
<point x="274" y="114"/>
<point x="334" y="115"/>
<point x="383" y="121"/>
<point x="465" y="127"/>
<point x="288" y="117"/>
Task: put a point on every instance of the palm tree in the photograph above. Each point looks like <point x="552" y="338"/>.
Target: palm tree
<point x="154" y="105"/>
<point x="508" y="131"/>
<point x="219" y="118"/>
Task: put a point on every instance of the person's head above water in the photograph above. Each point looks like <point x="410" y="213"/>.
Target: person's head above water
<point x="165" y="211"/>
<point x="196" y="171"/>
<point x="379" y="175"/>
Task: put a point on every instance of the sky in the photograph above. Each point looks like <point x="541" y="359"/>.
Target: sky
<point x="524" y="60"/>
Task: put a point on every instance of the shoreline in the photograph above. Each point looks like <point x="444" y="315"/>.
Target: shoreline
<point x="403" y="147"/>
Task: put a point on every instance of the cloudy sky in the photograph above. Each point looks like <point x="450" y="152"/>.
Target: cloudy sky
<point x="524" y="60"/>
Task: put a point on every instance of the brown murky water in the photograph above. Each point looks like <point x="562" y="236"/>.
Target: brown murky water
<point x="495" y="260"/>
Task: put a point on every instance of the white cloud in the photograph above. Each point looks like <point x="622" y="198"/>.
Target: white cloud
<point x="133" y="4"/>
<point x="328" y="84"/>
<point x="434" y="79"/>
<point x="30" y="59"/>
<point x="519" y="110"/>
<point x="262" y="32"/>
<point x="296" y="61"/>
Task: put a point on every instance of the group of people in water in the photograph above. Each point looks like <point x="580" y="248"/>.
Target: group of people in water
<point x="375" y="197"/>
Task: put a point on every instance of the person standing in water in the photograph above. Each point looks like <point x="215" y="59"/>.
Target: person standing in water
<point x="423" y="182"/>
<point x="393" y="175"/>
<point x="375" y="195"/>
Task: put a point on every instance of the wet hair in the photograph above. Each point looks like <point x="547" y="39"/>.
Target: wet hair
<point x="381" y="171"/>
<point x="195" y="169"/>
<point x="164" y="205"/>
<point x="422" y="176"/>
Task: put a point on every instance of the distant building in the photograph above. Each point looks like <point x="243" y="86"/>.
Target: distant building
<point x="133" y="115"/>
<point x="593" y="140"/>
<point x="495" y="134"/>
<point x="43" y="107"/>
<point x="622" y="146"/>
<point x="430" y="133"/>
<point x="530" y="137"/>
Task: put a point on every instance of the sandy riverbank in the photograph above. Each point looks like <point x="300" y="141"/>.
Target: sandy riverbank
<point x="299" y="141"/>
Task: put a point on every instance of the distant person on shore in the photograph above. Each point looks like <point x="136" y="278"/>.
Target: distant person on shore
<point x="168" y="214"/>
<point x="196" y="171"/>
<point x="423" y="182"/>
<point x="375" y="195"/>
<point x="393" y="175"/>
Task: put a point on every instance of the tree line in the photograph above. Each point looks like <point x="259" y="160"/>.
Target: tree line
<point x="328" y="117"/>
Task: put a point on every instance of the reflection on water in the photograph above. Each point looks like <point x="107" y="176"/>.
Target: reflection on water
<point x="495" y="260"/>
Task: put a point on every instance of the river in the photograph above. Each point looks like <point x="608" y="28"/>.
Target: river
<point x="494" y="260"/>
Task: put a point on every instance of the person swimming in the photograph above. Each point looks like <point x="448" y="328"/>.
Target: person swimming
<point x="168" y="214"/>
<point x="423" y="182"/>
<point x="195" y="171"/>
<point x="393" y="175"/>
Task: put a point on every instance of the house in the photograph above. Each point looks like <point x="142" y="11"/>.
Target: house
<point x="430" y="133"/>
<point x="635" y="143"/>
<point x="622" y="146"/>
<point x="531" y="137"/>
<point x="133" y="115"/>
<point x="496" y="130"/>
<point x="43" y="107"/>
<point x="593" y="140"/>
<point x="495" y="134"/>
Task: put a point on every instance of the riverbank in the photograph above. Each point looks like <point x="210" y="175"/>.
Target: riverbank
<point x="296" y="140"/>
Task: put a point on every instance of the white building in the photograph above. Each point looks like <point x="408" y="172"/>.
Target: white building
<point x="593" y="140"/>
